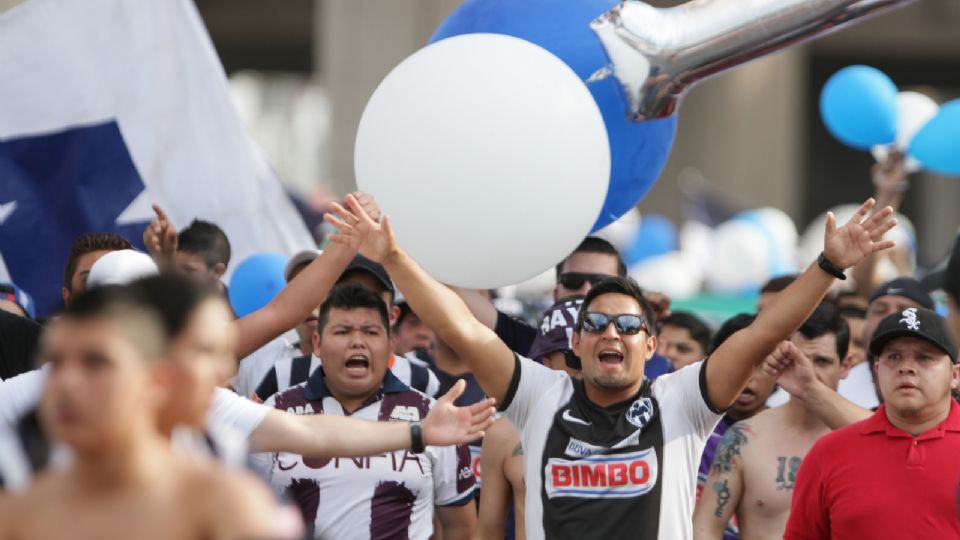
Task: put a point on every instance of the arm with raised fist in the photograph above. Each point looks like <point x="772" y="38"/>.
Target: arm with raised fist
<point x="794" y="373"/>
<point x="730" y="366"/>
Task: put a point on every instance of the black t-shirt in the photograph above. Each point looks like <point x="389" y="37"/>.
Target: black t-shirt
<point x="19" y="340"/>
<point x="516" y="334"/>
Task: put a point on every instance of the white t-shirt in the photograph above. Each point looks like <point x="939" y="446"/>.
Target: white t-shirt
<point x="625" y="471"/>
<point x="391" y="495"/>
<point x="858" y="387"/>
<point x="20" y="394"/>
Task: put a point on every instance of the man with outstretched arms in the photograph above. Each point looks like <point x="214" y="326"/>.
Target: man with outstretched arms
<point x="613" y="455"/>
<point x="387" y="495"/>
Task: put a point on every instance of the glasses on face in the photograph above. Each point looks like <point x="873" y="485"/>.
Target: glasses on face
<point x="575" y="280"/>
<point x="626" y="323"/>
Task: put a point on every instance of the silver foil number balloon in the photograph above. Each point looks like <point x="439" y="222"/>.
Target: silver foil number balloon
<point x="656" y="53"/>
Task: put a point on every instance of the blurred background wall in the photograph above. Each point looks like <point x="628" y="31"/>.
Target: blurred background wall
<point x="302" y="71"/>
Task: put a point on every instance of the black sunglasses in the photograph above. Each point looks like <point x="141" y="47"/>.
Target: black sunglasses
<point x="575" y="280"/>
<point x="626" y="323"/>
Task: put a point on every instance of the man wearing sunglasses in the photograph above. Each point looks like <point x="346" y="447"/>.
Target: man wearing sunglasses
<point x="594" y="260"/>
<point x="613" y="455"/>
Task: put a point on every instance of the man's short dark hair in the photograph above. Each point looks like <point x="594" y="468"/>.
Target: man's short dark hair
<point x="207" y="240"/>
<point x="619" y="285"/>
<point x="699" y="331"/>
<point x="124" y="306"/>
<point x="352" y="296"/>
<point x="88" y="243"/>
<point x="174" y="297"/>
<point x="730" y="327"/>
<point x="594" y="244"/>
<point x="826" y="319"/>
<point x="778" y="284"/>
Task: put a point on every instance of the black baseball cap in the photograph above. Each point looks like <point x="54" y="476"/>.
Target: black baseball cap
<point x="907" y="288"/>
<point x="557" y="324"/>
<point x="363" y="264"/>
<point x="913" y="322"/>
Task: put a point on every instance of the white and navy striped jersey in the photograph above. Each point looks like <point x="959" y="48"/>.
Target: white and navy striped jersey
<point x="288" y="372"/>
<point x="391" y="495"/>
<point x="624" y="471"/>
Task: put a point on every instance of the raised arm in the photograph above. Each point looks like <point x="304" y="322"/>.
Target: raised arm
<point x="890" y="180"/>
<point x="489" y="359"/>
<point x="724" y="486"/>
<point x="794" y="373"/>
<point x="480" y="306"/>
<point x="339" y="436"/>
<point x="730" y="366"/>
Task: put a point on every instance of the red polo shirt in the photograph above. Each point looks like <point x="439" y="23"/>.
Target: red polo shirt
<point x="873" y="480"/>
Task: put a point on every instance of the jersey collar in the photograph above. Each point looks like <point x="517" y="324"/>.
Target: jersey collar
<point x="879" y="423"/>
<point x="316" y="388"/>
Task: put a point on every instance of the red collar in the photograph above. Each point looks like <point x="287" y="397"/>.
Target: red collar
<point x="879" y="423"/>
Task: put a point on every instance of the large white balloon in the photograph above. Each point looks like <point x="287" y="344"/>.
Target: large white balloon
<point x="741" y="258"/>
<point x="490" y="156"/>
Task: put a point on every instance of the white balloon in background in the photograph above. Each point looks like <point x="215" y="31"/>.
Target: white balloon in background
<point x="741" y="258"/>
<point x="671" y="273"/>
<point x="489" y="155"/>
<point x="914" y="110"/>
<point x="622" y="232"/>
<point x="783" y="232"/>
<point x="696" y="241"/>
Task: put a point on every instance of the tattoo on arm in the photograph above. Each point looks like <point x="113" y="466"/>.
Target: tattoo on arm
<point x="517" y="450"/>
<point x="729" y="447"/>
<point x="723" y="496"/>
<point x="787" y="471"/>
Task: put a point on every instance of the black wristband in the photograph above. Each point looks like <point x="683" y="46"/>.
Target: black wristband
<point x="824" y="263"/>
<point x="416" y="438"/>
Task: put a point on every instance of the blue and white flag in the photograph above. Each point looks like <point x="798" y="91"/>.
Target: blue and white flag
<point x="107" y="106"/>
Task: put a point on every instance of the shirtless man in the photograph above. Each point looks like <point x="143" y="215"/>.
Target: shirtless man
<point x="757" y="461"/>
<point x="105" y="389"/>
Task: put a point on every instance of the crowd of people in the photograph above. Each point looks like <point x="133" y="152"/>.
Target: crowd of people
<point x="368" y="400"/>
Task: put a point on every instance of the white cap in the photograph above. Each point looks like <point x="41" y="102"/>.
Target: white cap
<point x="304" y="257"/>
<point x="121" y="267"/>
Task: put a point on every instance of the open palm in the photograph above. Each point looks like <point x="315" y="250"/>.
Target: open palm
<point x="858" y="238"/>
<point x="359" y="231"/>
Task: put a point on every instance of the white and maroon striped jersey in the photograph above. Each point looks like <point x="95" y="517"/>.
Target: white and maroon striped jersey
<point x="390" y="495"/>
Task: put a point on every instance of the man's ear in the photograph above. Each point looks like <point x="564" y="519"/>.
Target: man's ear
<point x="66" y="296"/>
<point x="651" y="345"/>
<point x="575" y="343"/>
<point x="955" y="380"/>
<point x="555" y="293"/>
<point x="316" y="341"/>
<point x="393" y="316"/>
<point x="219" y="269"/>
<point x="845" y="365"/>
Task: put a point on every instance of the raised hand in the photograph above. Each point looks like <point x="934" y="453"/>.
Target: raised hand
<point x="448" y="424"/>
<point x="160" y="237"/>
<point x="858" y="238"/>
<point x="359" y="231"/>
<point x="791" y="368"/>
<point x="659" y="302"/>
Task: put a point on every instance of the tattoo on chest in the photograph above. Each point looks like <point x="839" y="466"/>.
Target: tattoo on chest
<point x="787" y="468"/>
<point x="729" y="447"/>
<point x="723" y="497"/>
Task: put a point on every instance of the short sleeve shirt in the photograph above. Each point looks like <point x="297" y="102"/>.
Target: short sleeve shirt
<point x="624" y="471"/>
<point x="873" y="480"/>
<point x="391" y="495"/>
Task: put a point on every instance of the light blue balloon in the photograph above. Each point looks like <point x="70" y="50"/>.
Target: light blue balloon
<point x="937" y="144"/>
<point x="255" y="282"/>
<point x="638" y="150"/>
<point x="656" y="236"/>
<point x="859" y="107"/>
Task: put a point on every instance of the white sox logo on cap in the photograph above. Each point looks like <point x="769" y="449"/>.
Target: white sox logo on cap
<point x="910" y="319"/>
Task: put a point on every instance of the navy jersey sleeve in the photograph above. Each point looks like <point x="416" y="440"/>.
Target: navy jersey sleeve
<point x="517" y="334"/>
